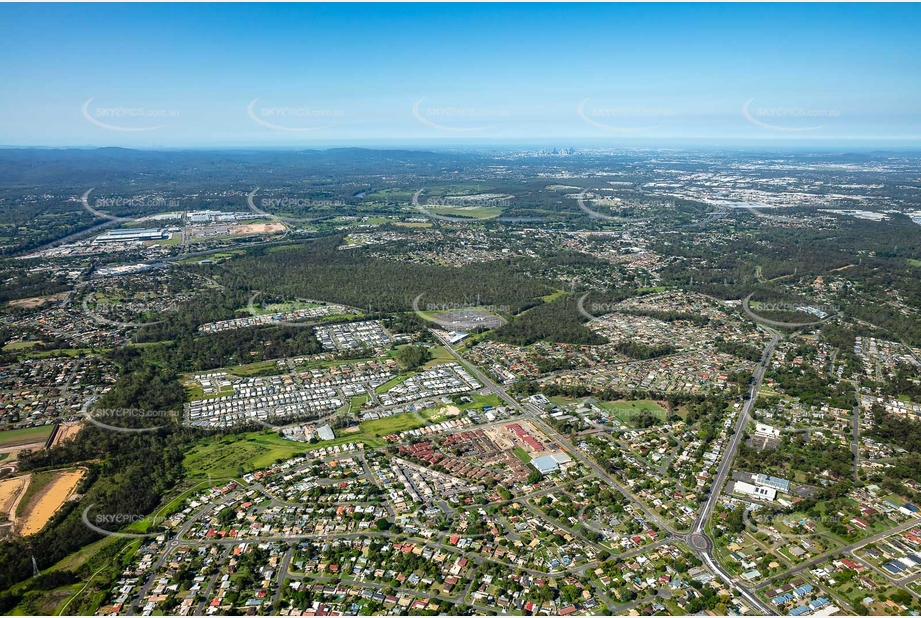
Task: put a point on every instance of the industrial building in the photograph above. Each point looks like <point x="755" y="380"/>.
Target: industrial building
<point x="764" y="480"/>
<point x="132" y="235"/>
<point x="548" y="464"/>
<point x="761" y="493"/>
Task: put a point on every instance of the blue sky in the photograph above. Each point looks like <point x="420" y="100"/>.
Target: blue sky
<point x="184" y="75"/>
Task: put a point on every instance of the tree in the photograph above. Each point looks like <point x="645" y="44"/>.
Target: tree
<point x="413" y="357"/>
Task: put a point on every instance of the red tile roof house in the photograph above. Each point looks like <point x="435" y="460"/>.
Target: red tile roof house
<point x="851" y="565"/>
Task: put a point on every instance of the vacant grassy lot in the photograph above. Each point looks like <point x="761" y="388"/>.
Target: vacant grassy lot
<point x="19" y="345"/>
<point x="467" y="212"/>
<point x="231" y="456"/>
<point x="440" y="356"/>
<point x="521" y="454"/>
<point x="386" y="386"/>
<point x="263" y="368"/>
<point x="391" y="424"/>
<point x="29" y="435"/>
<point x="626" y="411"/>
<point x="283" y="307"/>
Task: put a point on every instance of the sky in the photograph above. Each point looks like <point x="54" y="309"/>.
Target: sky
<point x="319" y="75"/>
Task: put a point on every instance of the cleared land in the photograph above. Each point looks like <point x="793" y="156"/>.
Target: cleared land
<point x="257" y="228"/>
<point x="11" y="491"/>
<point x="20" y="438"/>
<point x="66" y="431"/>
<point x="626" y="411"/>
<point x="37" y="301"/>
<point x="47" y="501"/>
<point x="468" y="212"/>
<point x="232" y="456"/>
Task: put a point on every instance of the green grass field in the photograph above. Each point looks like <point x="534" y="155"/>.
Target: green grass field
<point x="434" y="416"/>
<point x="391" y="424"/>
<point x="440" y="356"/>
<point x="263" y="368"/>
<point x="15" y="437"/>
<point x="386" y="386"/>
<point x="19" y="345"/>
<point x="334" y="362"/>
<point x="228" y="456"/>
<point x="174" y="239"/>
<point x="467" y="212"/>
<point x="72" y="352"/>
<point x="197" y="394"/>
<point x="232" y="456"/>
<point x="521" y="454"/>
<point x="394" y="194"/>
<point x="624" y="411"/>
<point x="271" y="308"/>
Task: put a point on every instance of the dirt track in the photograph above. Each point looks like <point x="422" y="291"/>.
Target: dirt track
<point x="11" y="491"/>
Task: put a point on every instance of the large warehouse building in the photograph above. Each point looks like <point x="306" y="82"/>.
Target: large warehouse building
<point x="132" y="235"/>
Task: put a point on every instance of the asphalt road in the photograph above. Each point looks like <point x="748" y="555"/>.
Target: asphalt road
<point x="698" y="538"/>
<point x="698" y="541"/>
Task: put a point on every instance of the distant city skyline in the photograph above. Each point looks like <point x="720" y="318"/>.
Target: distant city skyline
<point x="577" y="75"/>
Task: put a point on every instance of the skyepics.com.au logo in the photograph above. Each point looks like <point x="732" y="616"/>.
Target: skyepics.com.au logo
<point x="93" y="314"/>
<point x="463" y="316"/>
<point x="300" y="318"/>
<point x="470" y="201"/>
<point x="145" y="203"/>
<point x="456" y="118"/>
<point x="105" y="417"/>
<point x="292" y="118"/>
<point x="466" y="306"/>
<point x="429" y="212"/>
<point x="288" y="203"/>
<point x="623" y="119"/>
<point x="140" y="202"/>
<point x="583" y="206"/>
<point x="821" y="312"/>
<point x="128" y="119"/>
<point x="102" y="523"/>
<point x="299" y="202"/>
<point x="592" y="311"/>
<point x="788" y="119"/>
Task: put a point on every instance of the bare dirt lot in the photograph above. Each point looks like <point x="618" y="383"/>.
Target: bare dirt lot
<point x="66" y="431"/>
<point x="49" y="500"/>
<point x="10" y="492"/>
<point x="257" y="228"/>
<point x="37" y="301"/>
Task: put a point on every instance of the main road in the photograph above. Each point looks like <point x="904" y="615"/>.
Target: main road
<point x="533" y="415"/>
<point x="698" y="540"/>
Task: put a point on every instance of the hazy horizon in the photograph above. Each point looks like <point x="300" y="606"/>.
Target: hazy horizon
<point x="307" y="76"/>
